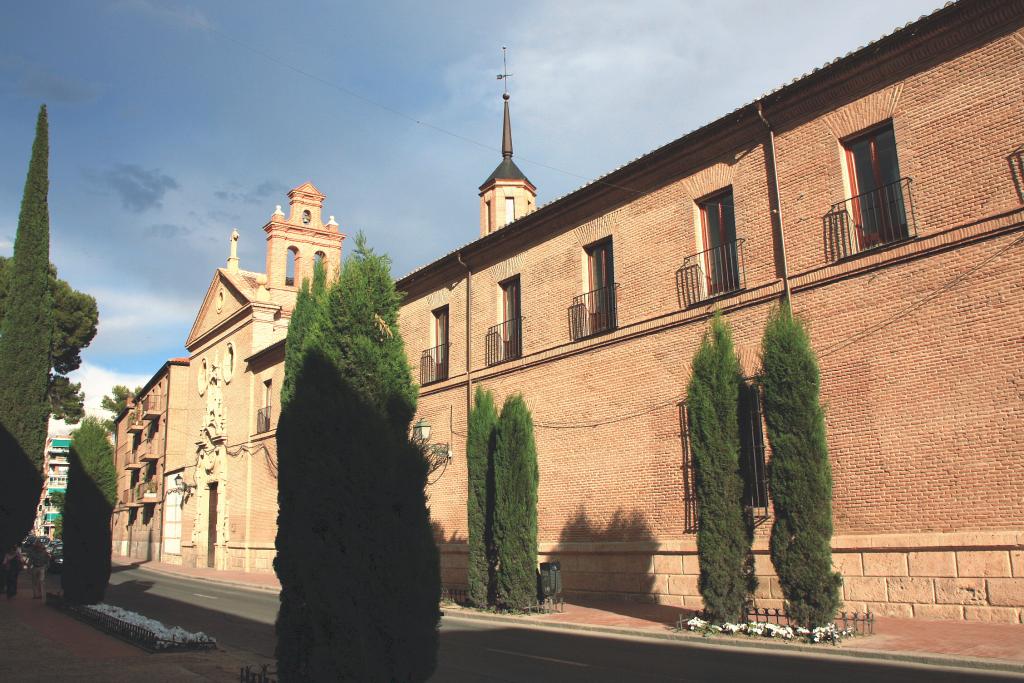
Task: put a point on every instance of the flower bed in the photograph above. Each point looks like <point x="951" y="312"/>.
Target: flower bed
<point x="137" y="629"/>
<point x="822" y="634"/>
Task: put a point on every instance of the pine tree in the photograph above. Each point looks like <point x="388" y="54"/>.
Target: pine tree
<point x="724" y="533"/>
<point x="91" y="492"/>
<point x="344" y="429"/>
<point x="800" y="476"/>
<point x="483" y="422"/>
<point x="516" y="478"/>
<point x="25" y="351"/>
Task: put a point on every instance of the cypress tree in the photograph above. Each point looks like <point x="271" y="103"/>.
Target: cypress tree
<point x="800" y="475"/>
<point x="515" y="506"/>
<point x="91" y="492"/>
<point x="361" y="583"/>
<point x="724" y="533"/>
<point x="25" y="335"/>
<point x="25" y="351"/>
<point x="305" y="426"/>
<point x="483" y="422"/>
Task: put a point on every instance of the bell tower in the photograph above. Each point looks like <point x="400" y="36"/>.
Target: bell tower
<point x="296" y="242"/>
<point x="507" y="194"/>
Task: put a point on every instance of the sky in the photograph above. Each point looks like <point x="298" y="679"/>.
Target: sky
<point x="172" y="123"/>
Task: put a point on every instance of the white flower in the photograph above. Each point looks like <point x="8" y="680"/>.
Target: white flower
<point x="168" y="635"/>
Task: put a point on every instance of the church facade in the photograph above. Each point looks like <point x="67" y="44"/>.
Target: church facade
<point x="883" y="192"/>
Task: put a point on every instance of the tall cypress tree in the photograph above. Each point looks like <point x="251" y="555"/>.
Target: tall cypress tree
<point x="305" y="426"/>
<point x="92" y="489"/>
<point x="724" y="533"/>
<point x="360" y="585"/>
<point x="516" y="478"/>
<point x="483" y="422"/>
<point x="25" y="350"/>
<point x="800" y="475"/>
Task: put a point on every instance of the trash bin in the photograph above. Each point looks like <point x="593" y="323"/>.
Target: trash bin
<point x="550" y="579"/>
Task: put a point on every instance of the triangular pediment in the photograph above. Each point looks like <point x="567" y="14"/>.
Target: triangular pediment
<point x="308" y="188"/>
<point x="224" y="298"/>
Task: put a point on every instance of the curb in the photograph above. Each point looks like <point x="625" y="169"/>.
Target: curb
<point x="181" y="575"/>
<point x="976" y="663"/>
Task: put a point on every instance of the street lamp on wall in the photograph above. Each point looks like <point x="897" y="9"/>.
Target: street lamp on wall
<point x="181" y="487"/>
<point x="437" y="455"/>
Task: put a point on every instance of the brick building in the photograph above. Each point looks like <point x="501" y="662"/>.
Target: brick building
<point x="884" y="190"/>
<point x="892" y="208"/>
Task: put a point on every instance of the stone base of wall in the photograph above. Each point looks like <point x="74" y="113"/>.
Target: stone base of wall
<point x="976" y="577"/>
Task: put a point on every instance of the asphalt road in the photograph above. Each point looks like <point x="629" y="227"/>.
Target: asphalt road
<point x="472" y="650"/>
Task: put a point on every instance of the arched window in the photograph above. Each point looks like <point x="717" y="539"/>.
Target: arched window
<point x="291" y="266"/>
<point x="319" y="258"/>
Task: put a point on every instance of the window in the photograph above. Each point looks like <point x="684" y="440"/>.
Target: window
<point x="504" y="340"/>
<point x="318" y="258"/>
<point x="595" y="311"/>
<point x="877" y="202"/>
<point x="434" y="361"/>
<point x="263" y="414"/>
<point x="291" y="266"/>
<point x="490" y="217"/>
<point x="718" y="232"/>
<point x="752" y="465"/>
<point x="510" y="209"/>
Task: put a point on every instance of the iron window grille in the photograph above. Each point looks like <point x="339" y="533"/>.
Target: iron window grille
<point x="434" y="364"/>
<point x="593" y="312"/>
<point x="263" y="420"/>
<point x="504" y="341"/>
<point x="752" y="452"/>
<point x="712" y="273"/>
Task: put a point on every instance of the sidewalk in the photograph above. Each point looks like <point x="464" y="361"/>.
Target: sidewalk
<point x="944" y="643"/>
<point x="42" y="644"/>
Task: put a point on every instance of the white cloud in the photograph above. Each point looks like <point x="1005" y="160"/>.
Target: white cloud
<point x="138" y="321"/>
<point x="96" y="383"/>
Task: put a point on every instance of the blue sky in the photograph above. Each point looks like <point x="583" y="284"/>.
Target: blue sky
<point x="172" y="123"/>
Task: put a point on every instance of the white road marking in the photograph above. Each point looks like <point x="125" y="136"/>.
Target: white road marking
<point x="200" y="595"/>
<point x="546" y="659"/>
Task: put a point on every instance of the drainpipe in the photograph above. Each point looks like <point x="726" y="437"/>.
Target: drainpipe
<point x="469" y="337"/>
<point x="787" y="293"/>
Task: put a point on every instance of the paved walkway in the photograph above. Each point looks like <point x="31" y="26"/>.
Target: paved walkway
<point x="969" y="643"/>
<point x="41" y="644"/>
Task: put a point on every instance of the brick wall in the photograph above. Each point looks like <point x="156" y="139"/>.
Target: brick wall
<point x="920" y="356"/>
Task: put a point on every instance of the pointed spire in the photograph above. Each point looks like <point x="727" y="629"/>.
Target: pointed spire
<point x="506" y="132"/>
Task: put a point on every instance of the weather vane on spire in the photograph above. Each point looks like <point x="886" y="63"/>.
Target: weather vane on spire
<point x="504" y="75"/>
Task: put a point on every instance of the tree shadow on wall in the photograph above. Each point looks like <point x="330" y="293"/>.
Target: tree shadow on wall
<point x="441" y="537"/>
<point x="620" y="581"/>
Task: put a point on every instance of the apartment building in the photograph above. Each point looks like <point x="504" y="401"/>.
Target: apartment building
<point x="55" y="480"/>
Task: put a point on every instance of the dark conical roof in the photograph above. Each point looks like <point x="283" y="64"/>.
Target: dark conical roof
<point x="507" y="169"/>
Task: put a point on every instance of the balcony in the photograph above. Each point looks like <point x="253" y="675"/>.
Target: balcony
<point x="132" y="463"/>
<point x="504" y="342"/>
<point x="134" y="418"/>
<point x="594" y="312"/>
<point x="128" y="499"/>
<point x="263" y="420"/>
<point x="869" y="221"/>
<point x="152" y="406"/>
<point x="434" y="364"/>
<point x="149" y="455"/>
<point x="147" y="492"/>
<point x="711" y="273"/>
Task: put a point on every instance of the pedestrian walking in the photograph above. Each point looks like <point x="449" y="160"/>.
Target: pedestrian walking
<point x="13" y="562"/>
<point x="38" y="560"/>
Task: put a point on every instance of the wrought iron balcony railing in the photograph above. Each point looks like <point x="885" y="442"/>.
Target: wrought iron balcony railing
<point x="712" y="273"/>
<point x="504" y="342"/>
<point x="148" y="491"/>
<point x="434" y="364"/>
<point x="594" y="312"/>
<point x="152" y="406"/>
<point x="263" y="419"/>
<point x="870" y="220"/>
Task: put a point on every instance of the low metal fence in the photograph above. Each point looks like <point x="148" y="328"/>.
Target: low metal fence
<point x="261" y="674"/>
<point x="139" y="636"/>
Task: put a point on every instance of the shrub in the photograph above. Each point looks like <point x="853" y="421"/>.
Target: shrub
<point x="483" y="423"/>
<point x="724" y="531"/>
<point x="800" y="476"/>
<point x="515" y="506"/>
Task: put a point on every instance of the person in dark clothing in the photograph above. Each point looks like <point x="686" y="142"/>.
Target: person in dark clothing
<point x="11" y="568"/>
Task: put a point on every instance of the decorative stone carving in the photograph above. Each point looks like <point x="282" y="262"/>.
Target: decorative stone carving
<point x="211" y="456"/>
